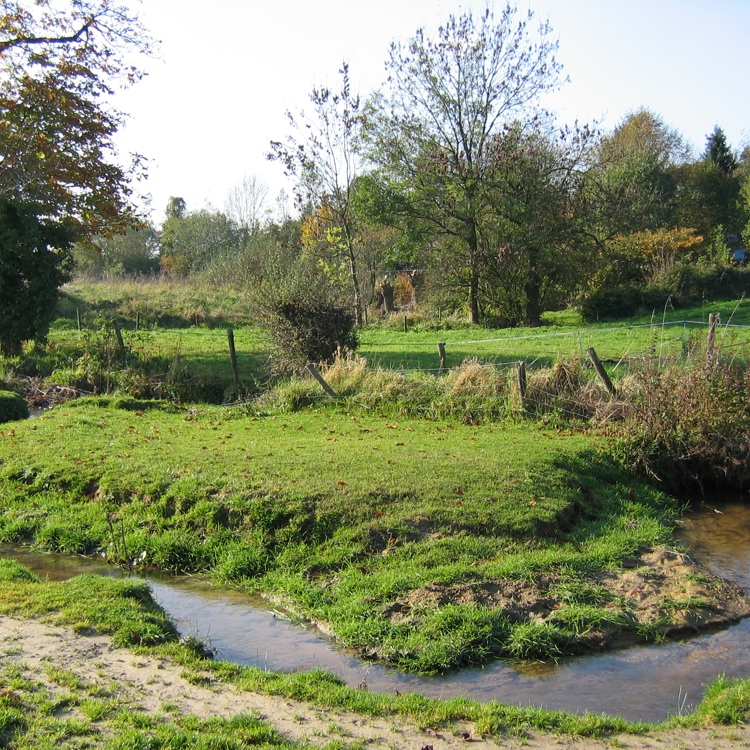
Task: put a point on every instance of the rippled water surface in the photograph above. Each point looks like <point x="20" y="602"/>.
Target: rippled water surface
<point x="644" y="683"/>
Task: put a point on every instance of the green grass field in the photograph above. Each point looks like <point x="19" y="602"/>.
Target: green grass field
<point x="181" y="334"/>
<point x="343" y="516"/>
<point x="395" y="530"/>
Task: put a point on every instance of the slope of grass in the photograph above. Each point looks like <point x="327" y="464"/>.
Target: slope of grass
<point x="345" y="517"/>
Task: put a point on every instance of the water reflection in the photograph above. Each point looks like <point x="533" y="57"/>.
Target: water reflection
<point x="719" y="536"/>
<point x="645" y="683"/>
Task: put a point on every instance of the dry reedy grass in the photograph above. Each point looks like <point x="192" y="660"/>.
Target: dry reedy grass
<point x="476" y="379"/>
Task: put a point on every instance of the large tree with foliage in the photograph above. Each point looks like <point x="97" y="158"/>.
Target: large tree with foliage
<point x="710" y="188"/>
<point x="435" y="125"/>
<point x="535" y="245"/>
<point x="60" y="177"/>
<point x="632" y="186"/>
<point x="61" y="60"/>
<point x="191" y="241"/>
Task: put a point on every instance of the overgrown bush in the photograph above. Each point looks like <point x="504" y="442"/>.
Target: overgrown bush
<point x="306" y="317"/>
<point x="690" y="428"/>
<point x="12" y="407"/>
<point x="685" y="284"/>
<point x="624" y="301"/>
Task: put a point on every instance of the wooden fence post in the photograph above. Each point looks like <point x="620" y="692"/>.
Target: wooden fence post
<point x="599" y="367"/>
<point x="233" y="356"/>
<point x="78" y="317"/>
<point x="522" y="381"/>
<point x="120" y="342"/>
<point x="713" y="320"/>
<point x="327" y="388"/>
<point x="441" y="352"/>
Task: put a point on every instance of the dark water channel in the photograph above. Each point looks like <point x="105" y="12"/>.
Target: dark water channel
<point x="646" y="683"/>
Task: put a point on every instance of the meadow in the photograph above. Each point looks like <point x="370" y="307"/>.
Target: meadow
<point x="176" y="344"/>
<point x="428" y="522"/>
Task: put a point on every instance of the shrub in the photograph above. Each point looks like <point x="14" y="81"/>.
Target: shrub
<point x="623" y="301"/>
<point x="34" y="262"/>
<point x="691" y="428"/>
<point x="12" y="407"/>
<point x="306" y="318"/>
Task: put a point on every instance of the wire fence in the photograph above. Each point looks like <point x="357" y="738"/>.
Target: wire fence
<point x="651" y="342"/>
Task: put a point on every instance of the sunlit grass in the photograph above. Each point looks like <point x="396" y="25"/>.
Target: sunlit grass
<point x="343" y="515"/>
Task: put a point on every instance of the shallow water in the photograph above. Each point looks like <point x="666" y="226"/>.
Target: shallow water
<point x="645" y="683"/>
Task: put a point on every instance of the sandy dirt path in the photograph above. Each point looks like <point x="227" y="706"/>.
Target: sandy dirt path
<point x="151" y="683"/>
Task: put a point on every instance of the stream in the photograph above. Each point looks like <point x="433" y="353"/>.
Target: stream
<point x="643" y="683"/>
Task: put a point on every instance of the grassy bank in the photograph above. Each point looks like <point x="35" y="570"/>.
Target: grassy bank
<point x="425" y="544"/>
<point x="68" y="708"/>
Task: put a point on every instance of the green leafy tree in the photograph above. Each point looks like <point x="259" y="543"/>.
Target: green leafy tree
<point x="192" y="241"/>
<point x="709" y="189"/>
<point x="632" y="185"/>
<point x="719" y="152"/>
<point x="131" y="253"/>
<point x="434" y="126"/>
<point x="176" y="208"/>
<point x="60" y="176"/>
<point x="35" y="260"/>
<point x="537" y="250"/>
<point x="60" y="62"/>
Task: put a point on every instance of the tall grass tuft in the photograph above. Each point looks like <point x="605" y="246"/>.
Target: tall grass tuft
<point x="473" y="392"/>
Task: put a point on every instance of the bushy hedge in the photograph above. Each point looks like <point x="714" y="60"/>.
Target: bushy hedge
<point x="307" y="315"/>
<point x="685" y="285"/>
<point x="12" y="407"/>
<point x="690" y="428"/>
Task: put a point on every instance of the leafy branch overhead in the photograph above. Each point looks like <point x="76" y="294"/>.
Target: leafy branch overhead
<point x="60" y="62"/>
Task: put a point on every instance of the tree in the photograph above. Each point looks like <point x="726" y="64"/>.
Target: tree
<point x="633" y="175"/>
<point x="535" y="246"/>
<point x="321" y="154"/>
<point x="246" y="202"/>
<point x="132" y="253"/>
<point x="192" y="241"/>
<point x="60" y="179"/>
<point x="709" y="189"/>
<point x="434" y="125"/>
<point x="176" y="208"/>
<point x="34" y="261"/>
<point x="718" y="152"/>
<point x="60" y="61"/>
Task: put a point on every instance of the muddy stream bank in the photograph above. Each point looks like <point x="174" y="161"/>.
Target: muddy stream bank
<point x="643" y="683"/>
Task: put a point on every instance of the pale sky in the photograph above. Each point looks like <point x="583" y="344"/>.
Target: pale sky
<point x="228" y="71"/>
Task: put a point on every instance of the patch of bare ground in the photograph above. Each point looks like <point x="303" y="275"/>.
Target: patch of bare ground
<point x="659" y="594"/>
<point x="147" y="685"/>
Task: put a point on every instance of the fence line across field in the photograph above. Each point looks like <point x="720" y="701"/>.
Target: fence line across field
<point x="559" y="334"/>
